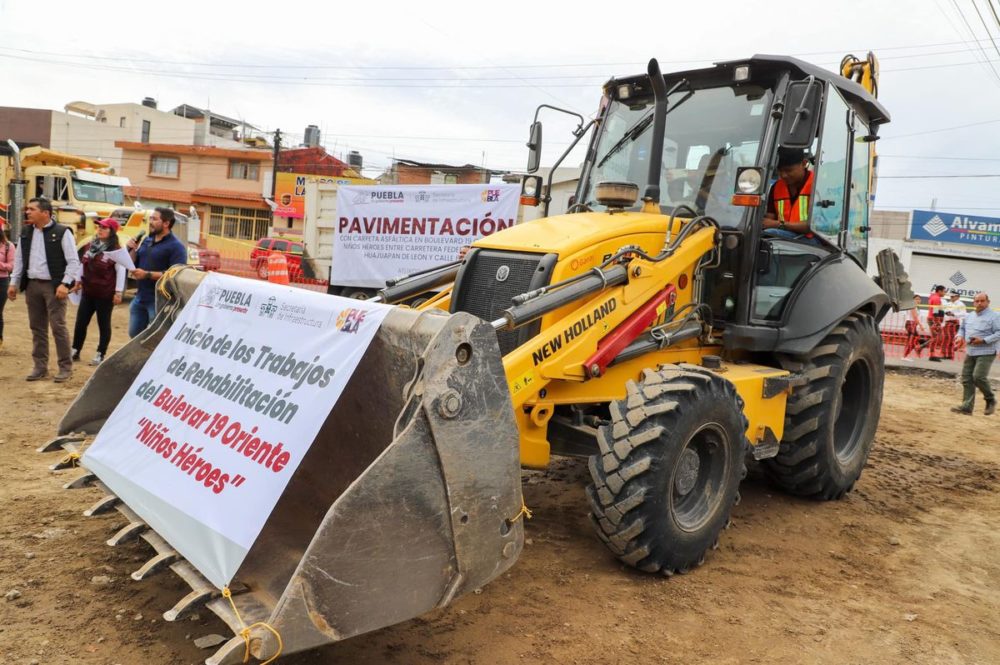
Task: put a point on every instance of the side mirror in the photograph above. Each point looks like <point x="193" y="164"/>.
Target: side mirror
<point x="535" y="146"/>
<point x="803" y="102"/>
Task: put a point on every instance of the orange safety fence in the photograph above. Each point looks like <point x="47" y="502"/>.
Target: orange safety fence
<point x="924" y="336"/>
<point x="243" y="264"/>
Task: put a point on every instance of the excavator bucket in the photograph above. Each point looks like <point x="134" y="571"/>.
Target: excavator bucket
<point x="407" y="498"/>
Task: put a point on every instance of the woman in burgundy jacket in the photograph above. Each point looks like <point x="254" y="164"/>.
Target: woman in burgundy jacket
<point x="101" y="286"/>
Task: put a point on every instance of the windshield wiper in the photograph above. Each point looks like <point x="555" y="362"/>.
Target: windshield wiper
<point x="634" y="132"/>
<point x="637" y="130"/>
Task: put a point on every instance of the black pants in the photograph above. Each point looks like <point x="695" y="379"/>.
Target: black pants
<point x="88" y="306"/>
<point x="4" y="283"/>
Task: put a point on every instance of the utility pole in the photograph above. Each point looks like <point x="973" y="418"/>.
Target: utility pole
<point x="274" y="168"/>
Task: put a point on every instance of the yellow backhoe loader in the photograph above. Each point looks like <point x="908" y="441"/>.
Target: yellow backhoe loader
<point x="657" y="328"/>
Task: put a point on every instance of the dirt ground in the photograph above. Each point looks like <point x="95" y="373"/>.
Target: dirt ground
<point x="903" y="570"/>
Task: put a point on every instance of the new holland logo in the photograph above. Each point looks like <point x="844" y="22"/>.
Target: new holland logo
<point x="935" y="226"/>
<point x="503" y="272"/>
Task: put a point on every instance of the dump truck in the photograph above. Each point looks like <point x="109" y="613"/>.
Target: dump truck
<point x="657" y="329"/>
<point x="82" y="190"/>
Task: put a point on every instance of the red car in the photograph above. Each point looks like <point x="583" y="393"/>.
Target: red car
<point x="292" y="250"/>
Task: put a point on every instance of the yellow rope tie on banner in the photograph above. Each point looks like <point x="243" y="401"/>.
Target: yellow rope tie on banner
<point x="71" y="459"/>
<point x="245" y="632"/>
<point x="161" y="284"/>
<point x="525" y="512"/>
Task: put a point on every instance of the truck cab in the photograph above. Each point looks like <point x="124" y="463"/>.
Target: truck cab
<point x="82" y="190"/>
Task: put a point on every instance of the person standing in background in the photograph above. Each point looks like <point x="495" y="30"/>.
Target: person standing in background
<point x="914" y="326"/>
<point x="981" y="332"/>
<point x="954" y="313"/>
<point x="7" y="251"/>
<point x="46" y="267"/>
<point x="160" y="250"/>
<point x="935" y="317"/>
<point x="101" y="285"/>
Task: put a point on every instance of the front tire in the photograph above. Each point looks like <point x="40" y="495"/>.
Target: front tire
<point x="670" y="467"/>
<point x="830" y="422"/>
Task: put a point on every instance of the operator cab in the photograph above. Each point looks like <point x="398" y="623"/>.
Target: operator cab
<point x="724" y="127"/>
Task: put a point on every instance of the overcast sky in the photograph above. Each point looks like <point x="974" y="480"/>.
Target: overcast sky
<point x="459" y="82"/>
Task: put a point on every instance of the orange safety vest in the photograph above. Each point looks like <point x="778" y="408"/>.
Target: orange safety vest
<point x="786" y="209"/>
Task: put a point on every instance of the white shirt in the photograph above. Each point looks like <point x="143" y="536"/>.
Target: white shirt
<point x="38" y="263"/>
<point x="954" y="309"/>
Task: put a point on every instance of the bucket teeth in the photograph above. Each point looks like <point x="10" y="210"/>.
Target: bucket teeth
<point x="70" y="461"/>
<point x="230" y="653"/>
<point x="250" y="609"/>
<point x="130" y="531"/>
<point x="86" y="480"/>
<point x="190" y="602"/>
<point x="57" y="443"/>
<point x="155" y="565"/>
<point x="103" y="505"/>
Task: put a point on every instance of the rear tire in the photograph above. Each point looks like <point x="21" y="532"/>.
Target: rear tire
<point x="262" y="269"/>
<point x="669" y="470"/>
<point x="830" y="422"/>
<point x="357" y="292"/>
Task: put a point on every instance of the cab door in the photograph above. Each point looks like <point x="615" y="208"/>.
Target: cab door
<point x="855" y="237"/>
<point x="783" y="262"/>
<point x="830" y="185"/>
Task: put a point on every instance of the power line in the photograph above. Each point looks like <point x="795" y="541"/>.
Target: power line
<point x="963" y="159"/>
<point x="972" y="33"/>
<point x="390" y="82"/>
<point x="119" y="58"/>
<point x="985" y="27"/>
<point x="971" y="175"/>
<point x="937" y="131"/>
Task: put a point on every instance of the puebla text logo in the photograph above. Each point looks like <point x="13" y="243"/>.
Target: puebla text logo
<point x="387" y="197"/>
<point x="233" y="300"/>
<point x="490" y="195"/>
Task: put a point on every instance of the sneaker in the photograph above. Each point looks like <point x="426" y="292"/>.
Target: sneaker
<point x="98" y="357"/>
<point x="76" y="355"/>
<point x="62" y="376"/>
<point x="962" y="410"/>
<point x="37" y="376"/>
<point x="934" y="360"/>
<point x="991" y="408"/>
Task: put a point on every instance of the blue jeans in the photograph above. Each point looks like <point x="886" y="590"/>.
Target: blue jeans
<point x="785" y="234"/>
<point x="140" y="314"/>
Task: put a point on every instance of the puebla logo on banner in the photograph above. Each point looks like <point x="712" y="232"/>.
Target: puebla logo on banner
<point x="205" y="441"/>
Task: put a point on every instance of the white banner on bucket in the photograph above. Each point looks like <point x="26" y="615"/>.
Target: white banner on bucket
<point x="388" y="231"/>
<point x="218" y="419"/>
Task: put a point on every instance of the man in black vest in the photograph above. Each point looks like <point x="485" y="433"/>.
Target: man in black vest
<point x="46" y="267"/>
